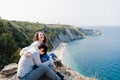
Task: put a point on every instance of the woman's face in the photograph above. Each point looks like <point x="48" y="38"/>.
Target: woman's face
<point x="41" y="36"/>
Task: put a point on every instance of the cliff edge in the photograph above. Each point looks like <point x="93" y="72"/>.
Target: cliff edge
<point x="9" y="72"/>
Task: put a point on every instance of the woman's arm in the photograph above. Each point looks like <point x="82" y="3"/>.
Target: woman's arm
<point x="37" y="60"/>
<point x="24" y="50"/>
<point x="35" y="44"/>
<point x="36" y="57"/>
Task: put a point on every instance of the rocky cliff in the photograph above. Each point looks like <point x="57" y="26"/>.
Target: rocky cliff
<point x="9" y="73"/>
<point x="68" y="35"/>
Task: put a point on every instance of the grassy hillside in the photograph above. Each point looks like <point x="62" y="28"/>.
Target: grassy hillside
<point x="15" y="35"/>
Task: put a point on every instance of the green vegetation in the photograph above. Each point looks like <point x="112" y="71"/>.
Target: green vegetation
<point x="11" y="41"/>
<point x="15" y="35"/>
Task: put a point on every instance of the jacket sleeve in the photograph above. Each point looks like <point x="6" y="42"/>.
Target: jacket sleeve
<point x="33" y="45"/>
<point x="22" y="51"/>
<point x="37" y="60"/>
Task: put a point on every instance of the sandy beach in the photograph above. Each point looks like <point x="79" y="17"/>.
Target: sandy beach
<point x="59" y="50"/>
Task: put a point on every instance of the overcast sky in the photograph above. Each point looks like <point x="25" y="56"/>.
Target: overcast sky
<point x="73" y="12"/>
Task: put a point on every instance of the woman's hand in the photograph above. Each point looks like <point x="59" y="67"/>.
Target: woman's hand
<point x="26" y="54"/>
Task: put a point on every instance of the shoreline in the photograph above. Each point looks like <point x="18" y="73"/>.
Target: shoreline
<point x="59" y="50"/>
<point x="59" y="53"/>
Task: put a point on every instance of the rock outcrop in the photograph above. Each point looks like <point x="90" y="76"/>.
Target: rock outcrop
<point x="9" y="72"/>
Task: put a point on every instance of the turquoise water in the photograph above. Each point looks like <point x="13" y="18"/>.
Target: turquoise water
<point x="96" y="56"/>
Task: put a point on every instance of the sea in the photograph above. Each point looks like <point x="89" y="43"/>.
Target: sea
<point x="95" y="56"/>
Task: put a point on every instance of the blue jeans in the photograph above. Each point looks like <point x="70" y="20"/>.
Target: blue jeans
<point x="40" y="71"/>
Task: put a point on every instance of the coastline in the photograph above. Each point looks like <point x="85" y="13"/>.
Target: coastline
<point x="76" y="75"/>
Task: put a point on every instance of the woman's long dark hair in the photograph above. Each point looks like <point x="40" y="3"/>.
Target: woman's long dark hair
<point x="36" y="37"/>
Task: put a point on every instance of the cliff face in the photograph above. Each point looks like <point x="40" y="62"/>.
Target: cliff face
<point x="67" y="36"/>
<point x="73" y="33"/>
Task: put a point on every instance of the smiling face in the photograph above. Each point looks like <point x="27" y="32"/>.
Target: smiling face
<point x="41" y="36"/>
